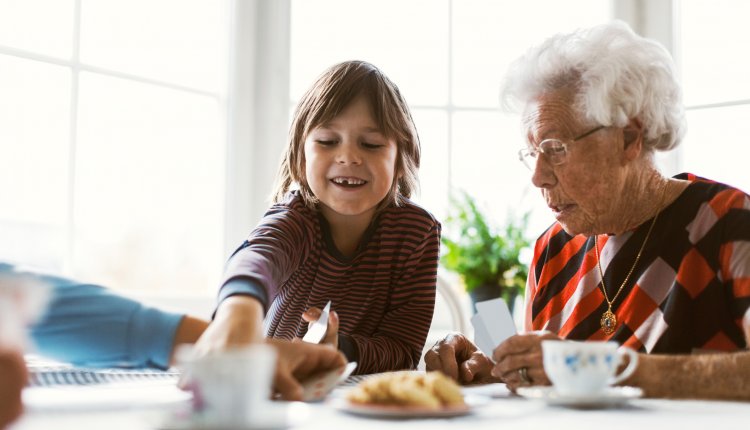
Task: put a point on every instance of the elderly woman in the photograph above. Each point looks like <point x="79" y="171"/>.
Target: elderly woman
<point x="658" y="264"/>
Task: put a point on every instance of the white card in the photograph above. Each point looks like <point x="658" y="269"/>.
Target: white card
<point x="493" y="324"/>
<point x="318" y="330"/>
<point x="318" y="386"/>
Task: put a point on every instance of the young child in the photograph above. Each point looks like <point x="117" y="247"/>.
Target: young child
<point x="346" y="232"/>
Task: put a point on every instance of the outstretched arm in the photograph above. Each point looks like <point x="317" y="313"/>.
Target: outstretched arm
<point x="189" y="331"/>
<point x="238" y="321"/>
<point x="90" y="325"/>
<point x="709" y="376"/>
<point x="706" y="376"/>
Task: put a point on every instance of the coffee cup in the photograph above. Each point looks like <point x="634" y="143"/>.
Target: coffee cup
<point x="230" y="388"/>
<point x="586" y="368"/>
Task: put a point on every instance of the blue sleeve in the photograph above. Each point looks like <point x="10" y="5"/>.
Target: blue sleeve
<point x="89" y="325"/>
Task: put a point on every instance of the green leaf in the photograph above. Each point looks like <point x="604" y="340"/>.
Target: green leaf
<point x="480" y="252"/>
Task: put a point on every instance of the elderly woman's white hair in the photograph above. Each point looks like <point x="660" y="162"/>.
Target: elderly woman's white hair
<point x="617" y="76"/>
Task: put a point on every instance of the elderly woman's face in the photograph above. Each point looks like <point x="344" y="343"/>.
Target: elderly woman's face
<point x="584" y="191"/>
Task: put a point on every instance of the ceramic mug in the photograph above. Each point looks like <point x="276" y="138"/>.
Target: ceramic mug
<point x="230" y="388"/>
<point x="585" y="368"/>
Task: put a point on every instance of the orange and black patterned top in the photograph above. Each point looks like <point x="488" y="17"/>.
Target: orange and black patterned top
<point x="688" y="292"/>
<point x="384" y="295"/>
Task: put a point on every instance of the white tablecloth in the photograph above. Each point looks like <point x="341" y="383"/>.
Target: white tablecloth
<point x="152" y="406"/>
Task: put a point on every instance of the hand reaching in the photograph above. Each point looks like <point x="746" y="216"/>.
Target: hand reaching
<point x="457" y="357"/>
<point x="238" y="322"/>
<point x="298" y="360"/>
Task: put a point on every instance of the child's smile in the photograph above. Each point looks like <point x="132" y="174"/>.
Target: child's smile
<point x="348" y="181"/>
<point x="350" y="164"/>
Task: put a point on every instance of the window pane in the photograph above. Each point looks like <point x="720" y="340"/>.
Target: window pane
<point x="713" y="145"/>
<point x="432" y="126"/>
<point x="713" y="36"/>
<point x="176" y="41"/>
<point x="41" y="26"/>
<point x="483" y="155"/>
<point x="407" y="39"/>
<point x="488" y="35"/>
<point x="150" y="181"/>
<point x="34" y="144"/>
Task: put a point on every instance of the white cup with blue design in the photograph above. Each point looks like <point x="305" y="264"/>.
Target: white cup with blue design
<point x="586" y="368"/>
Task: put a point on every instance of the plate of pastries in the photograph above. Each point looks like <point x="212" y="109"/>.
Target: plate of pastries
<point x="407" y="394"/>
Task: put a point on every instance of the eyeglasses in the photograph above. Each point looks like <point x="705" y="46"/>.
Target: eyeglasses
<point x="555" y="150"/>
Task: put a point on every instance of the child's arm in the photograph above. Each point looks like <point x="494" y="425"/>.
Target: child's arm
<point x="238" y="321"/>
<point x="252" y="275"/>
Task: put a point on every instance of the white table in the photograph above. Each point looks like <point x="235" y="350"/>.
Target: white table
<point x="143" y="408"/>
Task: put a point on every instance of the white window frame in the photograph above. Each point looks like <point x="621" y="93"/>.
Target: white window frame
<point x="655" y="19"/>
<point x="258" y="111"/>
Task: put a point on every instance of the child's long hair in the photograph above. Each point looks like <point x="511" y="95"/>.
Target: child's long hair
<point x="331" y="94"/>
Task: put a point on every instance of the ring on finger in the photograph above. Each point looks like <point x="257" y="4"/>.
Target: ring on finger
<point x="523" y="374"/>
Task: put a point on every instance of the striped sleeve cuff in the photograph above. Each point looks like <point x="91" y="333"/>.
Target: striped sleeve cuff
<point x="349" y="347"/>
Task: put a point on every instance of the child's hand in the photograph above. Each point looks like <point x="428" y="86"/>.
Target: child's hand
<point x="299" y="360"/>
<point x="238" y="322"/>
<point x="332" y="333"/>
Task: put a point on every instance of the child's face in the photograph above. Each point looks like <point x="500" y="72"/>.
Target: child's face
<point x="349" y="164"/>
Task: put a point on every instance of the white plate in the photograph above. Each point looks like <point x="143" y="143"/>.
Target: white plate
<point x="389" y="411"/>
<point x="612" y="396"/>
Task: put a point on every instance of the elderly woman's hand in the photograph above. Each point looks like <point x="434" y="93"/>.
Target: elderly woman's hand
<point x="519" y="360"/>
<point x="460" y="359"/>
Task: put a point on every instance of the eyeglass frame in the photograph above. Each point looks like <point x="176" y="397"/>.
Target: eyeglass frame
<point x="532" y="152"/>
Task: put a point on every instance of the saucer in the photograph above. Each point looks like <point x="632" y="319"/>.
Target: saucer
<point x="610" y="397"/>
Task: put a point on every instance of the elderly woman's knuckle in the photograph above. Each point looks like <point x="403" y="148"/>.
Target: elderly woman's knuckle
<point x="445" y="348"/>
<point x="430" y="356"/>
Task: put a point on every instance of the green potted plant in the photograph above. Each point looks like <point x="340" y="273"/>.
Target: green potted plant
<point x="485" y="257"/>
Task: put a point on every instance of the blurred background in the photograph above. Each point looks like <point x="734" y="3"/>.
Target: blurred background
<point x="139" y="139"/>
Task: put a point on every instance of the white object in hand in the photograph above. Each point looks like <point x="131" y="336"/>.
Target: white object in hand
<point x="493" y="324"/>
<point x="318" y="330"/>
<point x="318" y="386"/>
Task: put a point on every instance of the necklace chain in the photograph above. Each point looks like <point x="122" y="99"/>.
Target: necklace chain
<point x="608" y="321"/>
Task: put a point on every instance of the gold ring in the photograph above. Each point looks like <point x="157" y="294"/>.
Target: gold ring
<point x="523" y="373"/>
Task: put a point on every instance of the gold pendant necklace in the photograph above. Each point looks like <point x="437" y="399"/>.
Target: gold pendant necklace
<point x="608" y="322"/>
